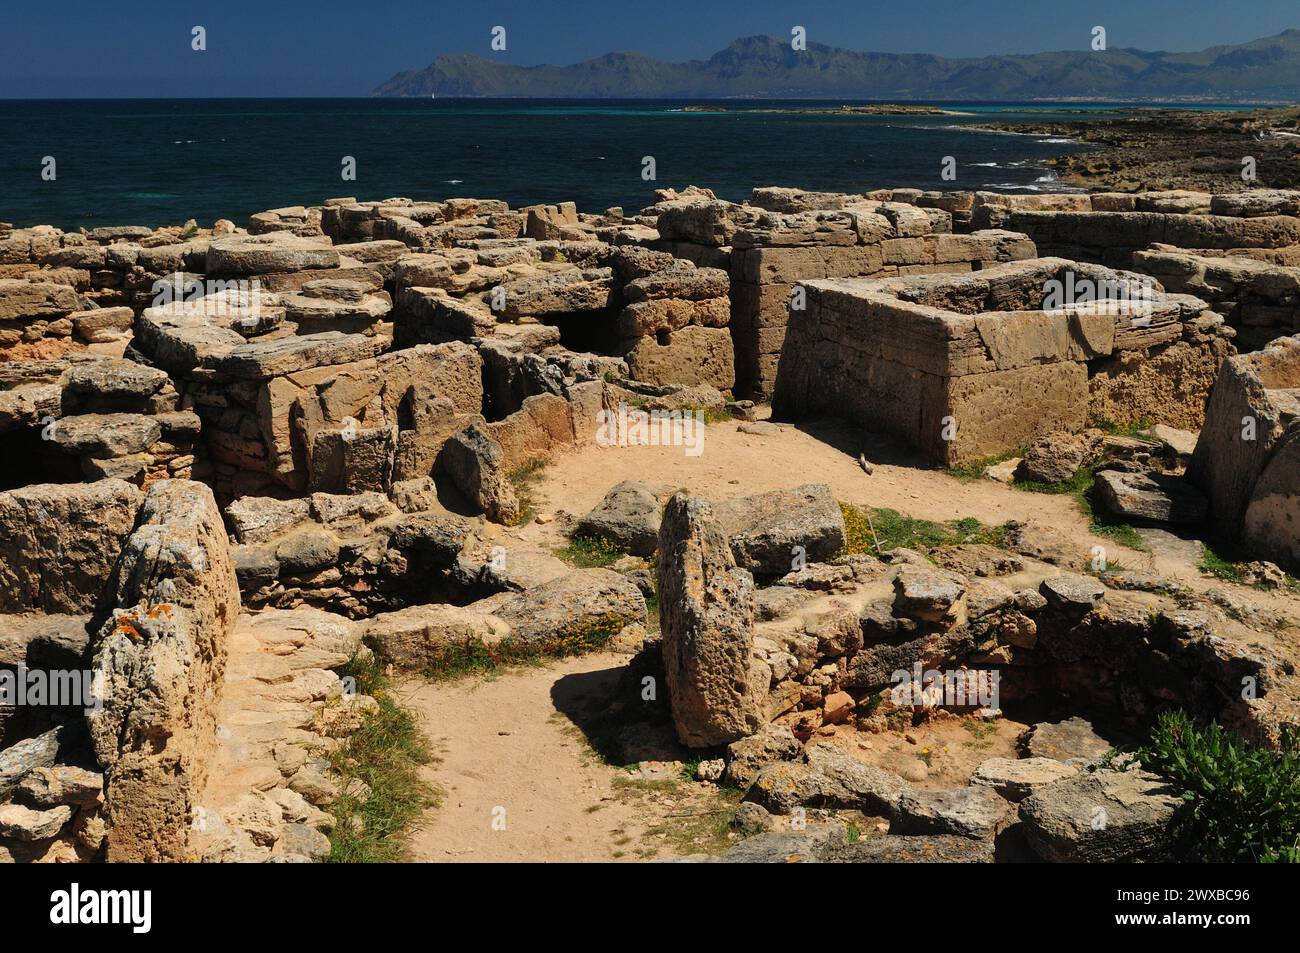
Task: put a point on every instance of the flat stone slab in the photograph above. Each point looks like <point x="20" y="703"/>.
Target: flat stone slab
<point x="1072" y="741"/>
<point x="106" y="435"/>
<point x="770" y="530"/>
<point x="1150" y="496"/>
<point x="974" y="811"/>
<point x="1102" y="817"/>
<point x="1072" y="592"/>
<point x="260" y="360"/>
<point x="1016" y="779"/>
<point x="266" y="254"/>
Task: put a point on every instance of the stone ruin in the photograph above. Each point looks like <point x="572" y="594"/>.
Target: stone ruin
<point x="759" y="674"/>
<point x="1247" y="459"/>
<point x="968" y="367"/>
<point x="238" y="459"/>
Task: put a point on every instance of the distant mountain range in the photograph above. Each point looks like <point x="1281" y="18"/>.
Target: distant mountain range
<point x="764" y="67"/>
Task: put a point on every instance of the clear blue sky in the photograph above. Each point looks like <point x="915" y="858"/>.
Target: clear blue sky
<point x="77" y="48"/>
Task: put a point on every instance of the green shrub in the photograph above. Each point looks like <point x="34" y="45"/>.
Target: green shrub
<point x="1243" y="800"/>
<point x="589" y="551"/>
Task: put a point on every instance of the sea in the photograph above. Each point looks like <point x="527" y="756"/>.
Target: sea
<point x="86" y="163"/>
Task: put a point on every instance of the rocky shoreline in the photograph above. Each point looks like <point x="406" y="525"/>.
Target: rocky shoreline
<point x="1163" y="149"/>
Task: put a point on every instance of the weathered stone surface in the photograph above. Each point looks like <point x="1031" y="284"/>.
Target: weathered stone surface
<point x="692" y="355"/>
<point x="928" y="596"/>
<point x="712" y="223"/>
<point x="1073" y="592"/>
<point x="748" y="756"/>
<point x="912" y="849"/>
<point x="49" y="787"/>
<point x="706" y="614"/>
<point x="1272" y="522"/>
<point x="307" y="550"/>
<point x="421" y="635"/>
<point x="106" y="435"/>
<point x="264" y="254"/>
<point x="260" y="360"/>
<point x="771" y="531"/>
<point x="681" y="280"/>
<point x="973" y="811"/>
<point x="629" y="516"/>
<point x="26" y="756"/>
<point x="1071" y="741"/>
<point x="23" y="300"/>
<point x="352" y="461"/>
<point x="1058" y="456"/>
<point x="828" y="778"/>
<point x="642" y="318"/>
<point x="1016" y="779"/>
<point x="163" y="656"/>
<point x="1158" y="497"/>
<point x="475" y="462"/>
<point x="257" y="519"/>
<point x="24" y="824"/>
<point x="1106" y="816"/>
<point x="587" y="604"/>
<point x="58" y="543"/>
<point x="1245" y="422"/>
<point x="439" y="534"/>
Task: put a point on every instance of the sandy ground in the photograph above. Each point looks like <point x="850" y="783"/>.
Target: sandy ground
<point x="512" y="746"/>
<point x="738" y="464"/>
<point x="515" y="740"/>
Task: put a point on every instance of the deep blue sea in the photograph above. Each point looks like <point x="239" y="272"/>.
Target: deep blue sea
<point x="158" y="162"/>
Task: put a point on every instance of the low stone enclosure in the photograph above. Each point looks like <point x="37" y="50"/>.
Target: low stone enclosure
<point x="969" y="367"/>
<point x="762" y="677"/>
<point x="238" y="460"/>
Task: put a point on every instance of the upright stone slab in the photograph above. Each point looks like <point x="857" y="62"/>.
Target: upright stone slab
<point x="706" y="616"/>
<point x="162" y="657"/>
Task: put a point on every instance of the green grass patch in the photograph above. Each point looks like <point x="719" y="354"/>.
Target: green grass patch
<point x="590" y="551"/>
<point x="870" y="530"/>
<point x="1212" y="564"/>
<point x="386" y="752"/>
<point x="1133" y="428"/>
<point x="1080" y="488"/>
<point x="970" y="472"/>
<point x="1215" y="563"/>
<point x="473" y="656"/>
<point x="524" y="478"/>
<point x="1242" y="800"/>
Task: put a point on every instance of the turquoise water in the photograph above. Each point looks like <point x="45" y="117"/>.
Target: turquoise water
<point x="156" y="162"/>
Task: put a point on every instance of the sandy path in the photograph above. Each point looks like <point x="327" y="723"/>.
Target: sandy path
<point x="507" y="742"/>
<point x="512" y="741"/>
<point x="737" y="464"/>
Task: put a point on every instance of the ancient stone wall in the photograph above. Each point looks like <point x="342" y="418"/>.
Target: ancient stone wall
<point x="126" y="764"/>
<point x="969" y="367"/>
<point x="1246" y="457"/>
<point x="787" y="236"/>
